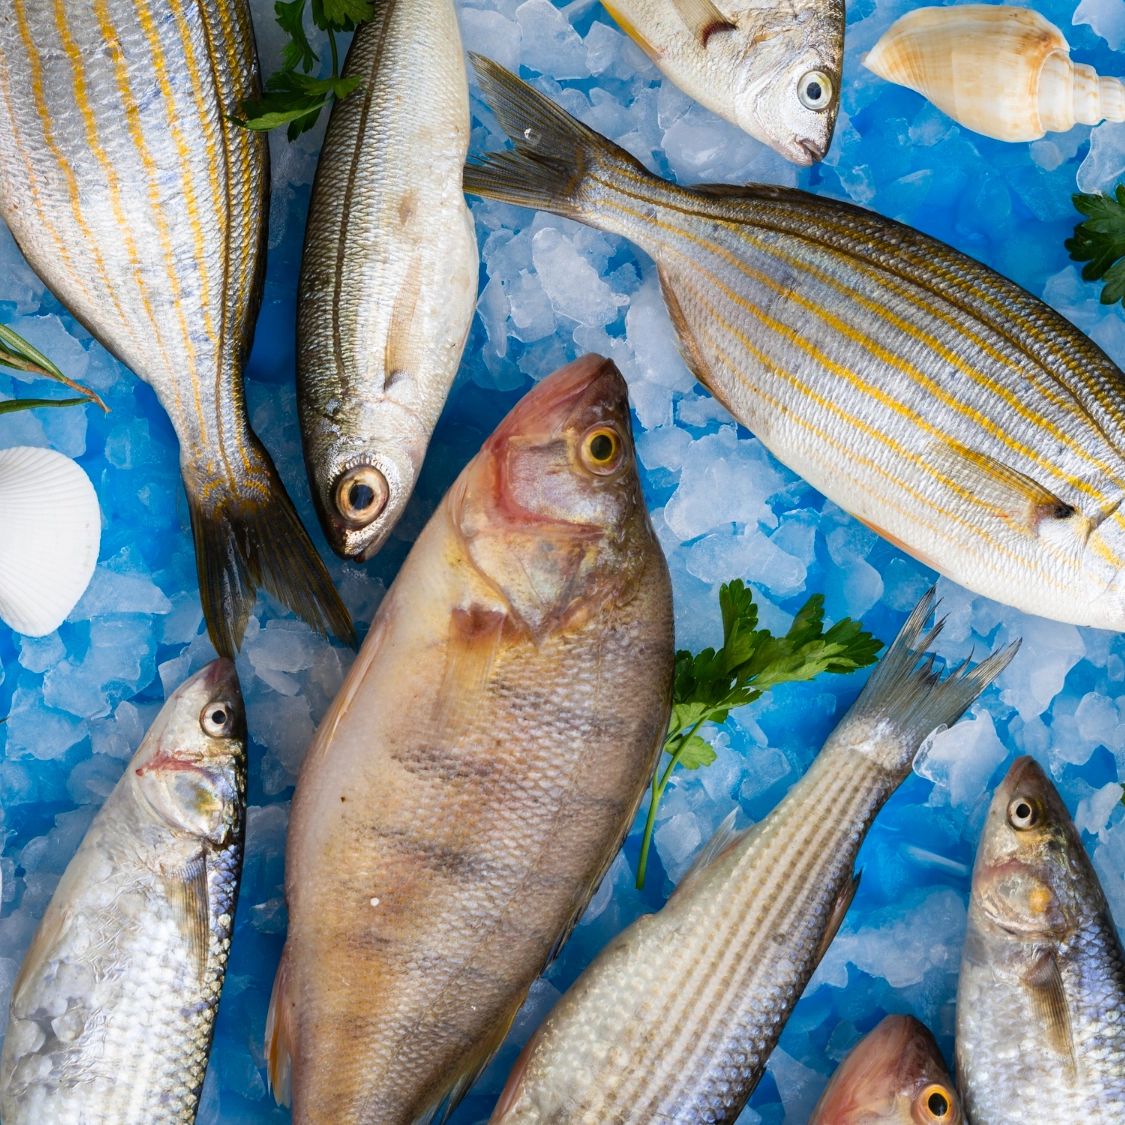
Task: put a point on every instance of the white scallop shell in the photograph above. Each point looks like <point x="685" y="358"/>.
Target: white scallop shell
<point x="50" y="531"/>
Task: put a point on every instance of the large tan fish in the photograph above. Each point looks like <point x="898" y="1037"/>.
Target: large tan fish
<point x="773" y="69"/>
<point x="142" y="207"/>
<point x="480" y="767"/>
<point x="942" y="405"/>
<point x="895" y="1075"/>
<point x="1041" y="996"/>
<point x="114" y="1007"/>
<point x="674" y="1020"/>
<point x="389" y="275"/>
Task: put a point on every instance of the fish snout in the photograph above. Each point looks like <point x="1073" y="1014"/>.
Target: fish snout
<point x="813" y="152"/>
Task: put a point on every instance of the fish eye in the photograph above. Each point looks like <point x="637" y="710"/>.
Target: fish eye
<point x="936" y="1103"/>
<point x="217" y="719"/>
<point x="361" y="494"/>
<point x="815" y="90"/>
<point x="602" y="451"/>
<point x="1022" y="814"/>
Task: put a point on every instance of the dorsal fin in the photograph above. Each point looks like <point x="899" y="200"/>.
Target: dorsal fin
<point x="279" y="1034"/>
<point x="43" y="944"/>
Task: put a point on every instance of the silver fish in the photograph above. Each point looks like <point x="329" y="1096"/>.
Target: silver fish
<point x="674" y="1020"/>
<point x="389" y="276"/>
<point x="1041" y="996"/>
<point x="142" y="207"/>
<point x="939" y="403"/>
<point x="114" y="1007"/>
<point x="773" y="69"/>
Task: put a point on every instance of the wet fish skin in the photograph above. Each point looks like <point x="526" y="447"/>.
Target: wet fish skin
<point x="750" y="62"/>
<point x="674" y="1020"/>
<point x="113" y="1010"/>
<point x="895" y="1075"/>
<point x="939" y="403"/>
<point x="1041" y="995"/>
<point x="480" y="767"/>
<point x="389" y="275"/>
<point x="142" y="207"/>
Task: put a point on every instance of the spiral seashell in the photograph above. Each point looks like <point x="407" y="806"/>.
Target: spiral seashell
<point x="1004" y="72"/>
<point x="50" y="531"/>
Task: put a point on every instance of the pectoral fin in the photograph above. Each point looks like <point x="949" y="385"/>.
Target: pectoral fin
<point x="188" y="892"/>
<point x="397" y="357"/>
<point x="474" y="640"/>
<point x="1044" y="985"/>
<point x="1015" y="496"/>
<point x="703" y="19"/>
<point x="836" y="918"/>
<point x="279" y="1037"/>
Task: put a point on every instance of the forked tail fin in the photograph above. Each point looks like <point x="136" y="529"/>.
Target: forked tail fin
<point x="553" y="154"/>
<point x="243" y="545"/>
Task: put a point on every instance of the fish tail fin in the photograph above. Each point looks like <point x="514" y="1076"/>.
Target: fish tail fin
<point x="553" y="155"/>
<point x="246" y="543"/>
<point x="906" y="697"/>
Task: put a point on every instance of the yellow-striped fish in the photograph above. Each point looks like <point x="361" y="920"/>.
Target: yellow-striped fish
<point x="939" y="403"/>
<point x="142" y="207"/>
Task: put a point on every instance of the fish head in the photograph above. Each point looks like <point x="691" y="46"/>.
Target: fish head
<point x="1024" y="879"/>
<point x="894" y="1076"/>
<point x="551" y="509"/>
<point x="190" y="770"/>
<point x="787" y="68"/>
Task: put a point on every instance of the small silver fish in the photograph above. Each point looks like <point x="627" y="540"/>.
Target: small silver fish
<point x="1041" y="996"/>
<point x="771" y="68"/>
<point x="389" y="275"/>
<point x="114" y="1007"/>
<point x="674" y="1020"/>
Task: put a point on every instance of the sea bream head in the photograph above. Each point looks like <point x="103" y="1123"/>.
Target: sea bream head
<point x="190" y="770"/>
<point x="1031" y="873"/>
<point x="551" y="510"/>
<point x="895" y="1075"/>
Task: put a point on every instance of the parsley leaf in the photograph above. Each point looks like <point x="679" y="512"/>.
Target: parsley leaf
<point x="711" y="684"/>
<point x="1099" y="241"/>
<point x="17" y="353"/>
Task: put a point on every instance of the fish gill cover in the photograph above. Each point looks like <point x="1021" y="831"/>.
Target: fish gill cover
<point x="80" y="699"/>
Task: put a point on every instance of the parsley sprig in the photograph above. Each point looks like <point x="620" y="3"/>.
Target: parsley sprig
<point x="294" y="96"/>
<point x="18" y="354"/>
<point x="709" y="685"/>
<point x="1099" y="241"/>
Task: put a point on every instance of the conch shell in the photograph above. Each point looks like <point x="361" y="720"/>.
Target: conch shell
<point x="1004" y="72"/>
<point x="50" y="531"/>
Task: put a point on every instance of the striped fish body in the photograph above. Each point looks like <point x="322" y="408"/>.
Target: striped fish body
<point x="142" y="207"/>
<point x="939" y="403"/>
<point x="1041" y="994"/>
<point x="113" y="1011"/>
<point x="389" y="276"/>
<point x="479" y="769"/>
<point x="674" y="1020"/>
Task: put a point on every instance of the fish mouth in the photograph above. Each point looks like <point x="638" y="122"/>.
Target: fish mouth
<point x="812" y="151"/>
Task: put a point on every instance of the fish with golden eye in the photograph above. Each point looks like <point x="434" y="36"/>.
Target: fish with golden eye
<point x="772" y="69"/>
<point x="389" y="275"/>
<point x="674" y="1020"/>
<point x="1001" y="71"/>
<point x="1041" y="995"/>
<point x="895" y="1075"/>
<point x="942" y="405"/>
<point x="480" y="767"/>
<point x="114" y="1007"/>
<point x="142" y="207"/>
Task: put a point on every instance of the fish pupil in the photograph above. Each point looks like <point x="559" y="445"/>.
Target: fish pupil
<point x="814" y="91"/>
<point x="1023" y="811"/>
<point x="938" y="1104"/>
<point x="361" y="496"/>
<point x="218" y="717"/>
<point x="601" y="447"/>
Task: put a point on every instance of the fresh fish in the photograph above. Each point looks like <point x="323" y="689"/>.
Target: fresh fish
<point x="142" y="207"/>
<point x="113" y="1010"/>
<point x="939" y="403"/>
<point x="771" y="68"/>
<point x="674" y="1020"/>
<point x="1041" y="996"/>
<point x="389" y="277"/>
<point x="479" y="768"/>
<point x="895" y="1075"/>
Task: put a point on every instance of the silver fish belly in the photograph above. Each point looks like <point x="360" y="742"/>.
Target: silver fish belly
<point x="389" y="276"/>
<point x="674" y="1020"/>
<point x="142" y="207"/>
<point x="113" y="1010"/>
<point x="1041" y="995"/>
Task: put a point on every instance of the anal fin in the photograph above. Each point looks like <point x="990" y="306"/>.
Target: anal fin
<point x="725" y="837"/>
<point x="190" y="898"/>
<point x="836" y="919"/>
<point x="1045" y="989"/>
<point x="689" y="346"/>
<point x="279" y="1034"/>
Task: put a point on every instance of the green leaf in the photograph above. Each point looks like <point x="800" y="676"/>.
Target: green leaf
<point x="341" y="15"/>
<point x="298" y="51"/>
<point x="11" y="405"/>
<point x="17" y="353"/>
<point x="1099" y="241"/>
<point x="696" y="752"/>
